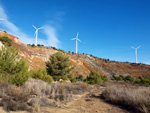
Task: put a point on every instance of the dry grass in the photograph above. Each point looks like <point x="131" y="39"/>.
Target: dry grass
<point x="57" y="91"/>
<point x="13" y="97"/>
<point x="36" y="93"/>
<point x="132" y="97"/>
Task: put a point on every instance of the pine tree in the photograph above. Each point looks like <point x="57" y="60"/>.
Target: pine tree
<point x="13" y="66"/>
<point x="58" y="65"/>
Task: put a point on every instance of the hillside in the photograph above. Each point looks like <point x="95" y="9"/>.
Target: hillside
<point x="83" y="64"/>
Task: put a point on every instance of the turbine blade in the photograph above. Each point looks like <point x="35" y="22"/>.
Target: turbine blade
<point x="132" y="47"/>
<point x="77" y="34"/>
<point x="1" y="19"/>
<point x="79" y="40"/>
<point x="138" y="47"/>
<point x="41" y="28"/>
<point x="73" y="39"/>
<point x="34" y="26"/>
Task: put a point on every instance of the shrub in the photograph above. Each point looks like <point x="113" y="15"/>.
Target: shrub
<point x="32" y="45"/>
<point x="129" y="78"/>
<point x="144" y="81"/>
<point x="73" y="80"/>
<point x="5" y="31"/>
<point x="65" y="78"/>
<point x="42" y="75"/>
<point x="13" y="67"/>
<point x="129" y="96"/>
<point x="105" y="78"/>
<point x="39" y="45"/>
<point x="58" y="66"/>
<point x="94" y="78"/>
<point x="54" y="48"/>
<point x="6" y="41"/>
<point x="80" y="78"/>
<point x="122" y="77"/>
<point x="14" y="98"/>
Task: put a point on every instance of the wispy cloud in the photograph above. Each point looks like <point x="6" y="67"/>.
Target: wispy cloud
<point x="51" y="34"/>
<point x="49" y="31"/>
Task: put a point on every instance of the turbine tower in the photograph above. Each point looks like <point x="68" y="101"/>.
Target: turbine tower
<point x="136" y="52"/>
<point x="36" y="33"/>
<point x="77" y="39"/>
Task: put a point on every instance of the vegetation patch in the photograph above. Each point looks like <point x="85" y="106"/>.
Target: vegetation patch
<point x="129" y="96"/>
<point x="59" y="66"/>
<point x="95" y="78"/>
<point x="13" y="68"/>
<point x="6" y="41"/>
<point x="140" y="80"/>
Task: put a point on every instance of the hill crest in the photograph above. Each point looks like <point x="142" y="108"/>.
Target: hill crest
<point x="83" y="64"/>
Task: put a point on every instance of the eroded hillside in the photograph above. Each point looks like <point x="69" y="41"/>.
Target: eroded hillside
<point x="83" y="64"/>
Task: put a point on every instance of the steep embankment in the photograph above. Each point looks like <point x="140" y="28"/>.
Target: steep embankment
<point x="83" y="64"/>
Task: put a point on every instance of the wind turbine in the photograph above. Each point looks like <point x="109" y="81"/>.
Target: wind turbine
<point x="36" y="33"/>
<point x="136" y="52"/>
<point x="77" y="39"/>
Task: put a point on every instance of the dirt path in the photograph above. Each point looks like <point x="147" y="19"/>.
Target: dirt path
<point x="89" y="103"/>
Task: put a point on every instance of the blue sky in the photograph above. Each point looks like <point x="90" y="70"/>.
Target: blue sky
<point x="107" y="28"/>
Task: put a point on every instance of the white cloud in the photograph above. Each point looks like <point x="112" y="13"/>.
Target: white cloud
<point x="50" y="32"/>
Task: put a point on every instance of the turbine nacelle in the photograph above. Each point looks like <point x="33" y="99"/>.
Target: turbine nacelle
<point x="76" y="37"/>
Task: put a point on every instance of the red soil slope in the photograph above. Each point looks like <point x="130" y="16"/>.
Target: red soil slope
<point x="83" y="64"/>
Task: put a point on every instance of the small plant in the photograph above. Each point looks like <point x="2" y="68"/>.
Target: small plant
<point x="6" y="41"/>
<point x="42" y="75"/>
<point x="105" y="78"/>
<point x="129" y="78"/>
<point x="94" y="78"/>
<point x="32" y="45"/>
<point x="5" y="31"/>
<point x="80" y="78"/>
<point x="54" y="48"/>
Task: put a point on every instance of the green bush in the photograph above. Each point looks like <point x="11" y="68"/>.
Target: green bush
<point x="42" y="75"/>
<point x="94" y="78"/>
<point x="105" y="78"/>
<point x="129" y="78"/>
<point x="118" y="78"/>
<point x="13" y="67"/>
<point x="6" y="41"/>
<point x="32" y="45"/>
<point x="145" y="81"/>
<point x="122" y="77"/>
<point x="73" y="80"/>
<point x="19" y="78"/>
<point x="80" y="78"/>
<point x="5" y="31"/>
<point x="58" y="66"/>
<point x="140" y="80"/>
<point x="65" y="78"/>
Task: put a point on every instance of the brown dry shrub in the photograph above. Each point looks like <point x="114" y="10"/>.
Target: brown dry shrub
<point x="129" y="96"/>
<point x="13" y="97"/>
<point x="36" y="93"/>
<point x="57" y="91"/>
